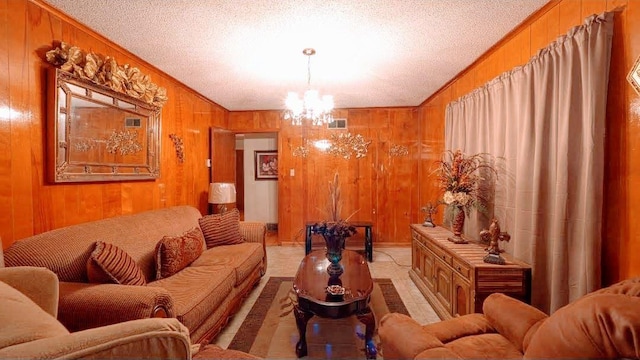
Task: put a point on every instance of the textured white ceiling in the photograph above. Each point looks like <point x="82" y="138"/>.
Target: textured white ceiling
<point x="247" y="54"/>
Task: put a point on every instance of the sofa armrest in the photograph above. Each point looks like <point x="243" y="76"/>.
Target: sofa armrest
<point x="84" y="306"/>
<point x="512" y="318"/>
<point x="37" y="283"/>
<point x="256" y="232"/>
<point x="146" y="338"/>
<point x="403" y="338"/>
<point x="253" y="231"/>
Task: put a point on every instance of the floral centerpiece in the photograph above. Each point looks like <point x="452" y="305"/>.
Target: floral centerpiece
<point x="460" y="177"/>
<point x="335" y="230"/>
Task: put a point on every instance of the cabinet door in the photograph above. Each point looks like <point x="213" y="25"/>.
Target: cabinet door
<point x="443" y="291"/>
<point x="416" y="256"/>
<point x="462" y="296"/>
<point x="428" y="274"/>
<point x="416" y="252"/>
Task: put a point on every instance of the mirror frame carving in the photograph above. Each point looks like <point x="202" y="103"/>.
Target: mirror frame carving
<point x="61" y="167"/>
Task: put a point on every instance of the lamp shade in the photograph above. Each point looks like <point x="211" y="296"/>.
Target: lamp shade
<point x="222" y="193"/>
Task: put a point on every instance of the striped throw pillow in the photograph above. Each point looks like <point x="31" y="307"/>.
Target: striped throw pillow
<point x="221" y="229"/>
<point x="110" y="264"/>
<point x="174" y="253"/>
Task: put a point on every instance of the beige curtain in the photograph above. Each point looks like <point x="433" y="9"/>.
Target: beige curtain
<point x="543" y="125"/>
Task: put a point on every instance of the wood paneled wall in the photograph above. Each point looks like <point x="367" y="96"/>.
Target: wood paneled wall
<point x="28" y="204"/>
<point x="621" y="232"/>
<point x="385" y="189"/>
<point x="378" y="187"/>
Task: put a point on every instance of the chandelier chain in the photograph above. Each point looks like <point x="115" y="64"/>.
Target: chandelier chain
<point x="308" y="71"/>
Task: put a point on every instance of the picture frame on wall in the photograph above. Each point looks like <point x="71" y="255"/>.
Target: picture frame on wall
<point x="266" y="164"/>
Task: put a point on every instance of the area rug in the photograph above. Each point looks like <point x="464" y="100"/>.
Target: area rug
<point x="270" y="331"/>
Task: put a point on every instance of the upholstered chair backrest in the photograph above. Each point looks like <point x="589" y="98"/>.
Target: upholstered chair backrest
<point x="602" y="324"/>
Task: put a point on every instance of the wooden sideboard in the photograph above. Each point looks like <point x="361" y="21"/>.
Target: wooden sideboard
<point x="453" y="277"/>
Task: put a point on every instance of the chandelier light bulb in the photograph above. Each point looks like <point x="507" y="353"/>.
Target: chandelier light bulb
<point x="311" y="107"/>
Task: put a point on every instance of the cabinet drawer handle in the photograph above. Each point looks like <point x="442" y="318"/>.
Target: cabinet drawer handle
<point x="443" y="257"/>
<point x="459" y="269"/>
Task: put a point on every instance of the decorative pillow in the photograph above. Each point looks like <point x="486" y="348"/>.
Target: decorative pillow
<point x="221" y="229"/>
<point x="174" y="253"/>
<point x="110" y="264"/>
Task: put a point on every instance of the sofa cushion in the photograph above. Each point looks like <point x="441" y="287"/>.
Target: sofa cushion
<point x="243" y="258"/>
<point x="413" y="340"/>
<point x="221" y="229"/>
<point x="174" y="253"/>
<point x="110" y="264"/>
<point x="596" y="326"/>
<point x="23" y="320"/>
<point x="485" y="346"/>
<point x="461" y="326"/>
<point x="197" y="292"/>
<point x="630" y="287"/>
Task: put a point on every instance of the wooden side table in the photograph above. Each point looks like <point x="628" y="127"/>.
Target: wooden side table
<point x="368" y="237"/>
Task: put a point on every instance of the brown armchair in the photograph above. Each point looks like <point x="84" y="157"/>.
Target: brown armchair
<point x="603" y="324"/>
<point x="29" y="329"/>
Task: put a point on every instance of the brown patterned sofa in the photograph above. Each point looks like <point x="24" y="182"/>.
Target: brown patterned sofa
<point x="604" y="324"/>
<point x="202" y="296"/>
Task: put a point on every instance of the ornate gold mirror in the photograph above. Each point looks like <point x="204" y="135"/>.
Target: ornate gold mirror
<point x="96" y="134"/>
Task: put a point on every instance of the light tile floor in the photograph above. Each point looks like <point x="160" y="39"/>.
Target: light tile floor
<point x="391" y="262"/>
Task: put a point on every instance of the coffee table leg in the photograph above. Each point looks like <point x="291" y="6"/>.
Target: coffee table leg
<point x="302" y="318"/>
<point x="366" y="317"/>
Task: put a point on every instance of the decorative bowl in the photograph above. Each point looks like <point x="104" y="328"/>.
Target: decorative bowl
<point x="335" y="290"/>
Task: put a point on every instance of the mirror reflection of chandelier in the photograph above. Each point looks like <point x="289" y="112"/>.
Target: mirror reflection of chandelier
<point x="311" y="107"/>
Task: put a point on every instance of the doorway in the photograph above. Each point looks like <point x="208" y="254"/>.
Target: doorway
<point x="257" y="197"/>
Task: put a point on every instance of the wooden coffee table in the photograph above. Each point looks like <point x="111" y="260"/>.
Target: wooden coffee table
<point x="310" y="286"/>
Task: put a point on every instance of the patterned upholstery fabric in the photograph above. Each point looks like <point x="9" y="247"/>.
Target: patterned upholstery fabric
<point x="194" y="303"/>
<point x="174" y="253"/>
<point x="199" y="296"/>
<point x="221" y="229"/>
<point x="242" y="257"/>
<point x="110" y="264"/>
<point x="253" y="231"/>
<point x="85" y="306"/>
<point x="23" y="320"/>
<point x="65" y="251"/>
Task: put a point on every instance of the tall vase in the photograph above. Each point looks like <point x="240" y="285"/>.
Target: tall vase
<point x="335" y="245"/>
<point x="457" y="226"/>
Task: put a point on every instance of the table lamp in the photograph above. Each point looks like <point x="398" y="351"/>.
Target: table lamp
<point x="221" y="194"/>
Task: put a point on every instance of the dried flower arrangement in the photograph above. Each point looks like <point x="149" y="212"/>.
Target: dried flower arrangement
<point x="335" y="229"/>
<point x="461" y="178"/>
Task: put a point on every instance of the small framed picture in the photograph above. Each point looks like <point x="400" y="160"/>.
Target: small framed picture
<point x="266" y="164"/>
<point x="634" y="76"/>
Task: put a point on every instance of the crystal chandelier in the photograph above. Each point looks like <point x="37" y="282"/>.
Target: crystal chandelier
<point x="311" y="107"/>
